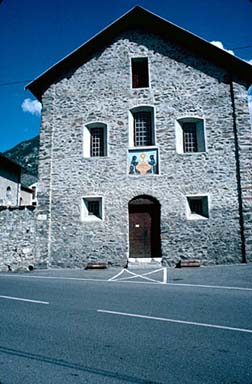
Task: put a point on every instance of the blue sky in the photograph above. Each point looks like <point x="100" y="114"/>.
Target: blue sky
<point x="35" y="35"/>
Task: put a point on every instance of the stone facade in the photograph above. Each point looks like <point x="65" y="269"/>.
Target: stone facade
<point x="17" y="238"/>
<point x="181" y="85"/>
<point x="10" y="174"/>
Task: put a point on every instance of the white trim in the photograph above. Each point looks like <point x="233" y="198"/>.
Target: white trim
<point x="194" y="216"/>
<point x="86" y="138"/>
<point x="84" y="212"/>
<point x="200" y="132"/>
<point x="141" y="108"/>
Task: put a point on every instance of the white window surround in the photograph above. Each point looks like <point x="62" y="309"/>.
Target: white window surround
<point x="87" y="138"/>
<point x="141" y="108"/>
<point x="200" y="133"/>
<point x="131" y="74"/>
<point x="85" y="217"/>
<point x="206" y="207"/>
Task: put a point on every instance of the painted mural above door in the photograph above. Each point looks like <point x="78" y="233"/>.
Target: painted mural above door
<point x="143" y="161"/>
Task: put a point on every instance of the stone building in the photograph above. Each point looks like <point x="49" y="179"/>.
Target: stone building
<point x="145" y="150"/>
<point x="10" y="181"/>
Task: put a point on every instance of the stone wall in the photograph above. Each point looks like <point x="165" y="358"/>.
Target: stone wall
<point x="17" y="238"/>
<point x="181" y="84"/>
<point x="9" y="187"/>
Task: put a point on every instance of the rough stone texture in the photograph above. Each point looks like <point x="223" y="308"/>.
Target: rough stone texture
<point x="17" y="238"/>
<point x="181" y="84"/>
<point x="9" y="179"/>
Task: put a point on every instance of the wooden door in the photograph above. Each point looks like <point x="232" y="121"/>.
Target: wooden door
<point x="144" y="228"/>
<point x="140" y="236"/>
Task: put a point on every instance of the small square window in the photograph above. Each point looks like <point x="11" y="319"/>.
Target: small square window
<point x="140" y="72"/>
<point x="197" y="207"/>
<point x="92" y="209"/>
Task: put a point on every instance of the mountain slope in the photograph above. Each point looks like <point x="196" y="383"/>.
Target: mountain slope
<point x="26" y="154"/>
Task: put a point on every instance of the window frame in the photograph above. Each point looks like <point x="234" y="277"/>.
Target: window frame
<point x="87" y="139"/>
<point x="85" y="215"/>
<point x="200" y="134"/>
<point x="134" y="110"/>
<point x="205" y="207"/>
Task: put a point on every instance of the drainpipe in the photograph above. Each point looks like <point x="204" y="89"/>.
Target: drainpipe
<point x="238" y="173"/>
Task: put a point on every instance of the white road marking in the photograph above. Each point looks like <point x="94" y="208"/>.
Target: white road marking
<point x="128" y="281"/>
<point x="21" y="299"/>
<point x="134" y="275"/>
<point x="210" y="286"/>
<point x="175" y="321"/>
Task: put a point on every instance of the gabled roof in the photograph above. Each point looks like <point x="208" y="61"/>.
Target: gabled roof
<point x="140" y="18"/>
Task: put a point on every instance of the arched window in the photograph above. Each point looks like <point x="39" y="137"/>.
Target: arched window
<point x="8" y="192"/>
<point x="141" y="129"/>
<point x="95" y="140"/>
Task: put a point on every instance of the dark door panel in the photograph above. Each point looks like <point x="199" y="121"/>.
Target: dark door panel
<point x="144" y="230"/>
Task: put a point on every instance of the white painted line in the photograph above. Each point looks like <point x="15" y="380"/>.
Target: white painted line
<point x="136" y="275"/>
<point x="126" y="281"/>
<point x="209" y="286"/>
<point x="21" y="299"/>
<point x="117" y="275"/>
<point x="77" y="279"/>
<point x="175" y="321"/>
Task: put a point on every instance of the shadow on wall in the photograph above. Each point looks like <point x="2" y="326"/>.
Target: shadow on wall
<point x="250" y="103"/>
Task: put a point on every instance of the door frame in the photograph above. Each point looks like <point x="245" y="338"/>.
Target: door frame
<point x="156" y="203"/>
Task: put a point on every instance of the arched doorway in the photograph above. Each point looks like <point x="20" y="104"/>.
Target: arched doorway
<point x="144" y="228"/>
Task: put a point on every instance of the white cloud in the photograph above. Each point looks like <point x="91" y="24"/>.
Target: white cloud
<point x="31" y="106"/>
<point x="250" y="61"/>
<point x="220" y="45"/>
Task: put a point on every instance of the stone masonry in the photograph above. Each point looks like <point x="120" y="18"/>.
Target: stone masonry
<point x="17" y="238"/>
<point x="181" y="85"/>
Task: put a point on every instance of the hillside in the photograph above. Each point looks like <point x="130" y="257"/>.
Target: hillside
<point x="26" y="154"/>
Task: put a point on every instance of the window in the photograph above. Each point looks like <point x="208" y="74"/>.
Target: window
<point x="34" y="193"/>
<point x="197" y="207"/>
<point x="140" y="72"/>
<point x="95" y="140"/>
<point x="141" y="129"/>
<point x="190" y="135"/>
<point x="92" y="209"/>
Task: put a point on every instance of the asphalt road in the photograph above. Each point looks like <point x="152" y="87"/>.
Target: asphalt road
<point x="81" y="328"/>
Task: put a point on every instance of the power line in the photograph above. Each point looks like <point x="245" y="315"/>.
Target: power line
<point x="244" y="47"/>
<point x="14" y="82"/>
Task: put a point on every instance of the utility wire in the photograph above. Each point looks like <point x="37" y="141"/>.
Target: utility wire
<point x="14" y="82"/>
<point x="28" y="81"/>
<point x="244" y="47"/>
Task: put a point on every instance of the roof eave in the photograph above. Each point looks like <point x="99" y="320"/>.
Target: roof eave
<point x="138" y="17"/>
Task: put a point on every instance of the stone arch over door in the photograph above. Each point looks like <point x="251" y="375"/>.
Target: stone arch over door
<point x="144" y="228"/>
